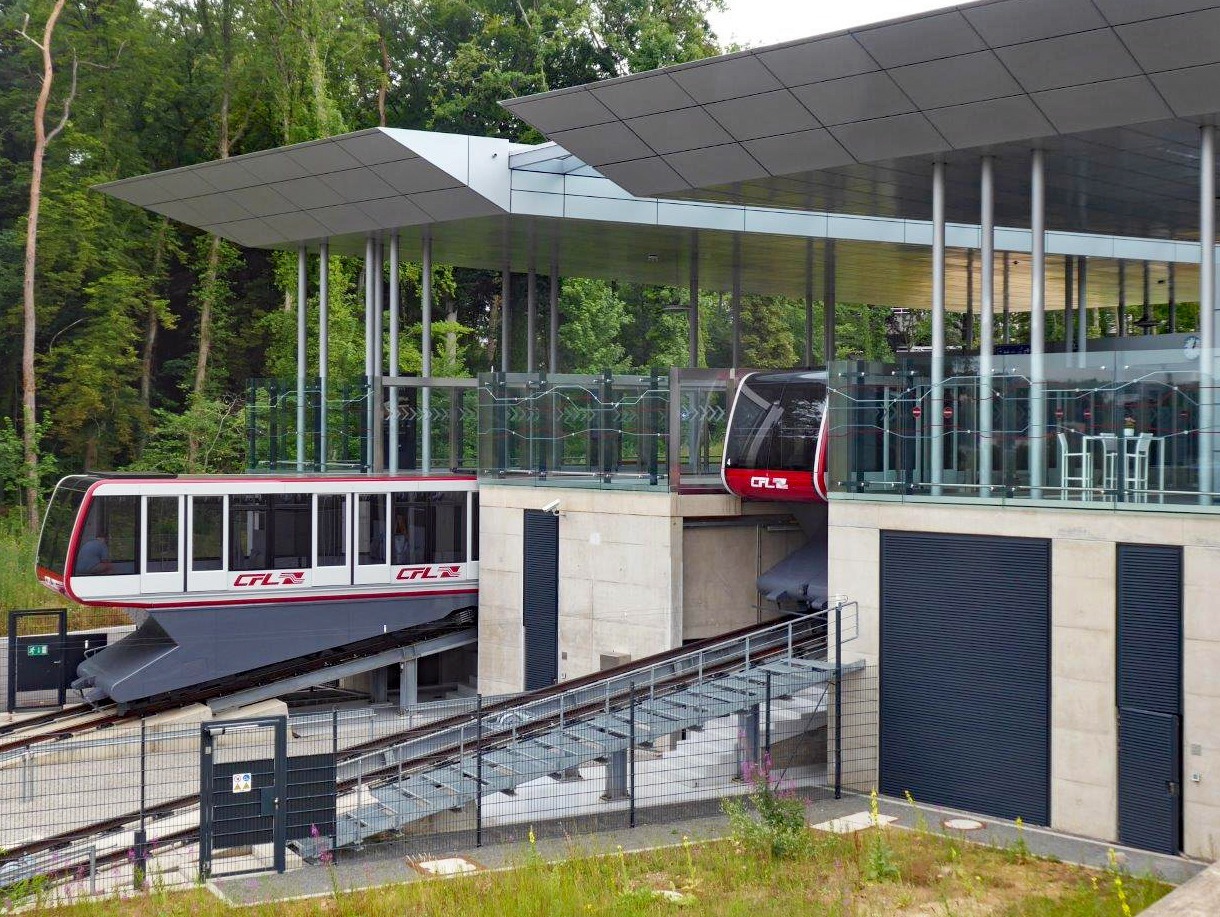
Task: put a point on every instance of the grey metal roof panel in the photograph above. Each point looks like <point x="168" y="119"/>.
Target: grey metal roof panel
<point x="995" y="76"/>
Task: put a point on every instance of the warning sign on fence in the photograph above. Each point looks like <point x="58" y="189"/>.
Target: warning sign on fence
<point x="242" y="783"/>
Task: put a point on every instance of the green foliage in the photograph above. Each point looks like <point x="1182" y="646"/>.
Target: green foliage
<point x="13" y="477"/>
<point x="594" y="317"/>
<point x="217" y="424"/>
<point x="773" y="821"/>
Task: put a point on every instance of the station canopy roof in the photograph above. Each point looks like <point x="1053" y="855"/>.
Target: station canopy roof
<point x="827" y="139"/>
<point x="1113" y="90"/>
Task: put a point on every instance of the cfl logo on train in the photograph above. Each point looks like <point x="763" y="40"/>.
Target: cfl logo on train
<point x="293" y="578"/>
<point x="430" y="571"/>
<point x="768" y="483"/>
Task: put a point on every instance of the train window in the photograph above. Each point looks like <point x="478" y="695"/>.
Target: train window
<point x="429" y="527"/>
<point x="775" y="425"/>
<point x="332" y="530"/>
<point x="161" y="540"/>
<point x="207" y="533"/>
<point x="59" y="522"/>
<point x="109" y="537"/>
<point x="270" y="531"/>
<point x="371" y="529"/>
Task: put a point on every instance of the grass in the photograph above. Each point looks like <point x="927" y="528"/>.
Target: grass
<point x="935" y="876"/>
<point x="20" y="589"/>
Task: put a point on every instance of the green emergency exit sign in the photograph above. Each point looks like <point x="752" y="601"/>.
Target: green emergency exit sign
<point x="38" y="649"/>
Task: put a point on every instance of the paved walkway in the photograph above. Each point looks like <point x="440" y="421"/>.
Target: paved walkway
<point x="388" y="863"/>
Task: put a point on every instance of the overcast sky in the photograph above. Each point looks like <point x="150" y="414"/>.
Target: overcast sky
<point x="751" y="23"/>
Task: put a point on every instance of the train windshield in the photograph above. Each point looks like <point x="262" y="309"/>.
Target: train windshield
<point x="776" y="420"/>
<point x="58" y="523"/>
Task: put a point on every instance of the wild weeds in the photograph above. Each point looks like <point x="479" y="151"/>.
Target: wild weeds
<point x="1119" y="891"/>
<point x="773" y="823"/>
<point x="879" y="864"/>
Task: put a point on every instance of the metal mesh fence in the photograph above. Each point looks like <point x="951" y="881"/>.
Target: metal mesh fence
<point x="167" y="800"/>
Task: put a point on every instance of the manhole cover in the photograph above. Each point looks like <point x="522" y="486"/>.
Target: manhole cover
<point x="962" y="824"/>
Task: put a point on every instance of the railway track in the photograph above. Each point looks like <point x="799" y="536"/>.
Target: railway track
<point x="491" y="739"/>
<point x="75" y="722"/>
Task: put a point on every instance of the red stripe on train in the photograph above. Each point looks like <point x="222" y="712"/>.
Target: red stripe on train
<point x="764" y="484"/>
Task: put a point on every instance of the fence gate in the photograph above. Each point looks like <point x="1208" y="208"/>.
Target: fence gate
<point x="243" y="799"/>
<point x="36" y="662"/>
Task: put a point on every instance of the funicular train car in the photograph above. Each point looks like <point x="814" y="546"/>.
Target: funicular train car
<point x="232" y="573"/>
<point x="776" y="447"/>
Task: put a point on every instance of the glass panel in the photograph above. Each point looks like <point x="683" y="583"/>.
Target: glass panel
<point x="109" y="537"/>
<point x="474" y="526"/>
<point x="291" y="535"/>
<point x="270" y="532"/>
<point x="161" y="545"/>
<point x="332" y="530"/>
<point x="58" y="523"/>
<point x="371" y="532"/>
<point x="207" y="529"/>
<point x="248" y="532"/>
<point x="429" y="528"/>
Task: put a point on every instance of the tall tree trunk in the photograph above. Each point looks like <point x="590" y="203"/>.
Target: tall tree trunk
<point x="384" y="87"/>
<point x="151" y="323"/>
<point x="211" y="274"/>
<point x="29" y="413"/>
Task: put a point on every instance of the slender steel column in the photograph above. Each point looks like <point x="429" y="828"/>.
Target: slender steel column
<point x="1172" y="283"/>
<point x="323" y="349"/>
<point x="936" y="407"/>
<point x="1146" y="313"/>
<point x="378" y="428"/>
<point x="1007" y="304"/>
<point x="736" y="306"/>
<point x="1037" y="325"/>
<point x="830" y="296"/>
<point x="505" y="316"/>
<point x="302" y="293"/>
<point x="425" y="347"/>
<point x="1082" y="310"/>
<point x="370" y="257"/>
<point x="1121" y="324"/>
<point x="1069" y="296"/>
<point x="967" y="328"/>
<point x="552" y="340"/>
<point x="809" y="302"/>
<point x="531" y="311"/>
<point x="395" y="362"/>
<point x="1207" y="305"/>
<point x="986" y="320"/>
<point x="692" y="345"/>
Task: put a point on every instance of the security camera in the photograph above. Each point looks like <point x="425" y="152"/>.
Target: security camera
<point x="552" y="508"/>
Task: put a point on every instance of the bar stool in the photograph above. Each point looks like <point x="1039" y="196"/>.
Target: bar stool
<point x="1109" y="462"/>
<point x="1136" y="468"/>
<point x="1084" y="478"/>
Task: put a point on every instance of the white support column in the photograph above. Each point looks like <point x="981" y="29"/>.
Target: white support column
<point x="395" y="363"/>
<point x="1120" y="324"/>
<point x="831" y="299"/>
<point x="1146" y="313"/>
<point x="505" y="316"/>
<point x="830" y="296"/>
<point x="968" y="318"/>
<point x="1037" y="325"/>
<point x="1005" y="291"/>
<point x="1082" y="310"/>
<point x="986" y="322"/>
<point x="936" y="407"/>
<point x="552" y="363"/>
<point x="1069" y="297"/>
<point x="1207" y="306"/>
<point x="425" y="346"/>
<point x="323" y="349"/>
<point x="736" y="303"/>
<point x="692" y="342"/>
<point x="531" y="313"/>
<point x="408" y="683"/>
<point x="1172" y="282"/>
<point x="370" y="257"/>
<point x="302" y="359"/>
<point x="379" y="311"/>
<point x="809" y="302"/>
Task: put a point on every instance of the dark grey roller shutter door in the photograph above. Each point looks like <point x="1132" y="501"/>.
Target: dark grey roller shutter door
<point x="1150" y="697"/>
<point x="965" y="672"/>
<point x="540" y="599"/>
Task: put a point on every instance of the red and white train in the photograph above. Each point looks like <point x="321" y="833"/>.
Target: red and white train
<point x="776" y="447"/>
<point x="232" y="573"/>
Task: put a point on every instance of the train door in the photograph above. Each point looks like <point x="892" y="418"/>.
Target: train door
<point x="372" y="539"/>
<point x="206" y="544"/>
<point x="332" y="528"/>
<point x="270" y="542"/>
<point x="161" y="567"/>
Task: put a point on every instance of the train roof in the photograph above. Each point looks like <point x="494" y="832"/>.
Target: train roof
<point x="167" y="478"/>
